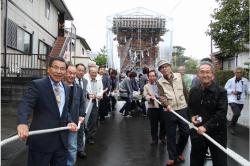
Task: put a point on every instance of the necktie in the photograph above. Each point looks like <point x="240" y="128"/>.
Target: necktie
<point x="57" y="93"/>
<point x="80" y="82"/>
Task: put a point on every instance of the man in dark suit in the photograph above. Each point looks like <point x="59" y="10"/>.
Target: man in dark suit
<point x="104" y="102"/>
<point x="47" y="98"/>
<point x="82" y="82"/>
<point x="76" y="109"/>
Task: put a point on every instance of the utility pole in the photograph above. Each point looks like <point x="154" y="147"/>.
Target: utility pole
<point x="211" y="41"/>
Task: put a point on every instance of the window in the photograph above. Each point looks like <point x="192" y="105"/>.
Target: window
<point x="73" y="46"/>
<point x="47" y="9"/>
<point x="82" y="51"/>
<point x="43" y="49"/>
<point x="18" y="38"/>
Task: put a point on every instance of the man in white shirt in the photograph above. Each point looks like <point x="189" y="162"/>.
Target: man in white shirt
<point x="237" y="90"/>
<point x="94" y="92"/>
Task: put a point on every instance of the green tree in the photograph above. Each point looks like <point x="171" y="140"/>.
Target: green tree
<point x="178" y="56"/>
<point x="178" y="50"/>
<point x="191" y="66"/>
<point x="230" y="28"/>
<point x="101" y="58"/>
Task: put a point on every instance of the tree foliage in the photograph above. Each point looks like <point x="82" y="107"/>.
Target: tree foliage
<point x="230" y="28"/>
<point x="101" y="58"/>
<point x="178" y="50"/>
<point x="180" y="60"/>
<point x="178" y="56"/>
<point x="191" y="66"/>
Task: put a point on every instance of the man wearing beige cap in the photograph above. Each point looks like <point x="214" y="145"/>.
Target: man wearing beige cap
<point x="171" y="91"/>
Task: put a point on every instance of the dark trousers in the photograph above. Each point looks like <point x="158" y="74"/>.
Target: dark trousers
<point x="156" y="116"/>
<point x="127" y="106"/>
<point x="113" y="102"/>
<point x="199" y="148"/>
<point x="143" y="106"/>
<point x="172" y="121"/>
<point x="55" y="158"/>
<point x="236" y="109"/>
<point x="80" y="135"/>
<point x="104" y="107"/>
<point x="92" y="123"/>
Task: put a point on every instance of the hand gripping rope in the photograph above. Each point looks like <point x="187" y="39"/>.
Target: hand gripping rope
<point x="228" y="151"/>
<point x="16" y="137"/>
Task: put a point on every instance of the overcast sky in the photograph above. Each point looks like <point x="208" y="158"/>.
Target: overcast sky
<point x="191" y="19"/>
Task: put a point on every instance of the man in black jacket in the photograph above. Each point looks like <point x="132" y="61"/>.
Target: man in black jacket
<point x="104" y="108"/>
<point x="208" y="110"/>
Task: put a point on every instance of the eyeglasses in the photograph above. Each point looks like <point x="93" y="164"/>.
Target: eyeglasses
<point x="205" y="72"/>
<point x="56" y="68"/>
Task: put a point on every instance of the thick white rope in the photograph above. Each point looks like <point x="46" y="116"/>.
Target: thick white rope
<point x="37" y="132"/>
<point x="16" y="137"/>
<point x="228" y="151"/>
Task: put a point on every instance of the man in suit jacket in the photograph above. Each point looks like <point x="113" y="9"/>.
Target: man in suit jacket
<point x="104" y="102"/>
<point x="155" y="111"/>
<point x="82" y="82"/>
<point x="47" y="98"/>
<point x="76" y="109"/>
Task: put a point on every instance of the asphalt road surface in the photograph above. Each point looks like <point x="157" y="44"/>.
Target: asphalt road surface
<point x="125" y="142"/>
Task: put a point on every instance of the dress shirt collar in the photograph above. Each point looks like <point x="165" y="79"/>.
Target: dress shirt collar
<point x="53" y="83"/>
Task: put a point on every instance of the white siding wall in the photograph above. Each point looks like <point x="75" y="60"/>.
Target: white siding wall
<point x="79" y="48"/>
<point x="37" y="11"/>
<point x="242" y="58"/>
<point x="230" y="63"/>
<point x="2" y="14"/>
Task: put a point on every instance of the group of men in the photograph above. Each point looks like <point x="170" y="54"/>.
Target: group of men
<point x="202" y="101"/>
<point x="60" y="99"/>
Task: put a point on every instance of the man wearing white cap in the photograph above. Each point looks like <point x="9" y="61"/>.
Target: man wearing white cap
<point x="171" y="91"/>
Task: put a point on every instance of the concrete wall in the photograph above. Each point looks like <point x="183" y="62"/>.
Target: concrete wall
<point x="81" y="59"/>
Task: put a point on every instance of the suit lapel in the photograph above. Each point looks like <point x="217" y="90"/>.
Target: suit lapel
<point x="51" y="97"/>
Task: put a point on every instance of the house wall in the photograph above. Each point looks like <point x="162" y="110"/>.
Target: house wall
<point x="36" y="10"/>
<point x="230" y="63"/>
<point x="80" y="59"/>
<point x="79" y="47"/>
<point x="2" y="14"/>
<point x="242" y="58"/>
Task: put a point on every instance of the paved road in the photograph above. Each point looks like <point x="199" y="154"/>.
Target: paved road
<point x="125" y="142"/>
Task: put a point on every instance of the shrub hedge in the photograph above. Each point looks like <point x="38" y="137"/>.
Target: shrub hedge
<point x="222" y="76"/>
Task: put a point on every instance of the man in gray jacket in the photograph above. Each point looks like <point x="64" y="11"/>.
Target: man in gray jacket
<point x="126" y="93"/>
<point x="142" y="82"/>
